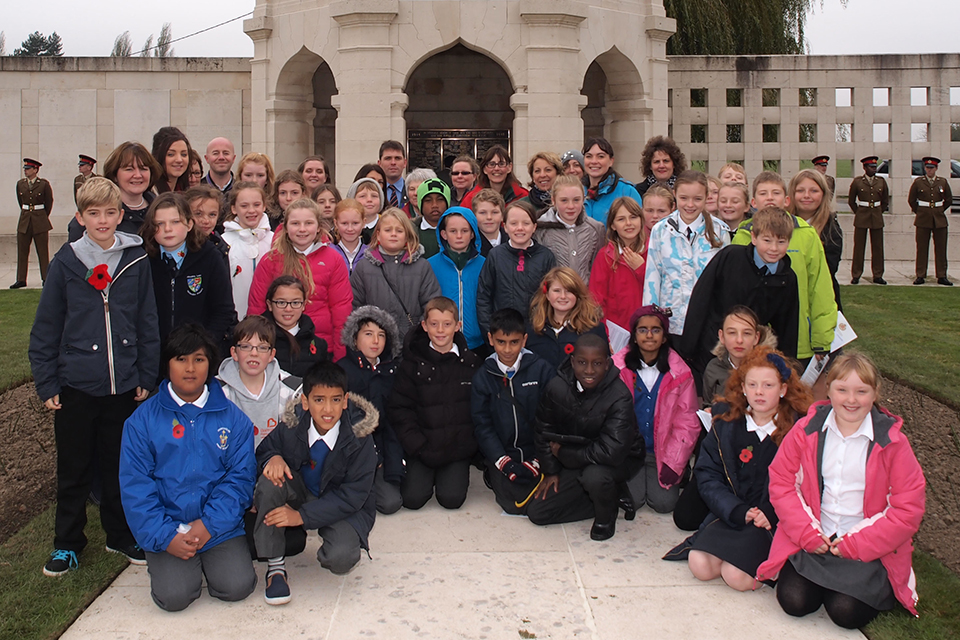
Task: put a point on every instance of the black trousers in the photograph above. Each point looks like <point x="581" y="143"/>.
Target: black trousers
<point x="88" y="430"/>
<point x="590" y="492"/>
<point x="451" y="481"/>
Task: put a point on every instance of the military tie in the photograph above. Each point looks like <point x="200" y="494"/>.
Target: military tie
<point x="394" y="202"/>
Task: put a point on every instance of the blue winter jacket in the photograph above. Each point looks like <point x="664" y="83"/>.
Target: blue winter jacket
<point x="609" y="189"/>
<point x="178" y="464"/>
<point x="461" y="286"/>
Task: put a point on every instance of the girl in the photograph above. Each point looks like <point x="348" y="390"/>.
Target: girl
<point x="374" y="172"/>
<point x="604" y="185"/>
<point x="732" y="172"/>
<point x="256" y="167"/>
<point x="514" y="270"/>
<point x="348" y="220"/>
<point x="665" y="404"/>
<point x="190" y="280"/>
<point x="413" y="180"/>
<point x="616" y="280"/>
<point x="741" y="332"/>
<point x="496" y="172"/>
<point x="713" y="192"/>
<point x="326" y="196"/>
<point x="543" y="167"/>
<point x="315" y="172"/>
<point x="195" y="173"/>
<point x="205" y="204"/>
<point x="658" y="203"/>
<point x="463" y="177"/>
<point x="561" y="311"/>
<point x="660" y="163"/>
<point x="369" y="193"/>
<point x="681" y="245"/>
<point x="807" y="201"/>
<point x="565" y="229"/>
<point x="288" y="188"/>
<point x="392" y="274"/>
<point x="849" y="493"/>
<point x="247" y="232"/>
<point x="733" y="205"/>
<point x="298" y="347"/>
<point x="301" y="249"/>
<point x="763" y="399"/>
<point x="171" y="149"/>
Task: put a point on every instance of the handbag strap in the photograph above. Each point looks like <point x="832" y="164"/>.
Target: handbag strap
<point x="395" y="294"/>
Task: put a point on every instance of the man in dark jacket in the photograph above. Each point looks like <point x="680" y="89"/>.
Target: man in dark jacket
<point x="588" y="441"/>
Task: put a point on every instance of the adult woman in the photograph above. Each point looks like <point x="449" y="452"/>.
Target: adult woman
<point x="134" y="169"/>
<point x="661" y="161"/>
<point x="195" y="173"/>
<point x="374" y="172"/>
<point x="604" y="185"/>
<point x="497" y="174"/>
<point x="543" y="167"/>
<point x="314" y="171"/>
<point x="171" y="150"/>
<point x="807" y="201"/>
<point x="463" y="177"/>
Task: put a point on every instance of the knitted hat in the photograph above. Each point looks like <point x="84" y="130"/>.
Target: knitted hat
<point x="651" y="310"/>
<point x="352" y="191"/>
<point x="433" y="185"/>
<point x="573" y="154"/>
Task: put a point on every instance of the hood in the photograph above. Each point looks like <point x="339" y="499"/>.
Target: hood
<point x="91" y="254"/>
<point x="230" y="373"/>
<point x="767" y="339"/>
<point x="233" y="225"/>
<point x="360" y="412"/>
<point x="468" y="215"/>
<point x="348" y="336"/>
<point x="551" y="219"/>
<point x="374" y="255"/>
<point x="352" y="191"/>
<point x="565" y="371"/>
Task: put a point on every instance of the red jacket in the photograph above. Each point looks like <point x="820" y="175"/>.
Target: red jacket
<point x="515" y="192"/>
<point x="618" y="291"/>
<point x="893" y="501"/>
<point x="676" y="426"/>
<point x="332" y="299"/>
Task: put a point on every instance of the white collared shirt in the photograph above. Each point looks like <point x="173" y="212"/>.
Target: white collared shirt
<point x="295" y="330"/>
<point x="844" y="471"/>
<point x="504" y="369"/>
<point x="371" y="224"/>
<point x="649" y="373"/>
<point x="426" y="226"/>
<point x="495" y="242"/>
<point x="351" y="255"/>
<point x="763" y="431"/>
<point x="453" y="347"/>
<point x="683" y="226"/>
<point x="199" y="402"/>
<point x="329" y="438"/>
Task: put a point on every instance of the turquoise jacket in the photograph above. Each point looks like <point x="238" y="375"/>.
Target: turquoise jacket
<point x="609" y="189"/>
<point x="461" y="286"/>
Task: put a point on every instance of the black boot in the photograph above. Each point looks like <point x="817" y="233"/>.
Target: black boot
<point x="626" y="502"/>
<point x="603" y="531"/>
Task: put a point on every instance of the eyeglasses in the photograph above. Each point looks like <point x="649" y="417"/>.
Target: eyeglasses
<point x="461" y="173"/>
<point x="260" y="348"/>
<point x="196" y="173"/>
<point x="653" y="331"/>
<point x="293" y="304"/>
<point x="497" y="165"/>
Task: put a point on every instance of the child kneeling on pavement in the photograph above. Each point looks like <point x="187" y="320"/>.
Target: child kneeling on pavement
<point x="318" y="472"/>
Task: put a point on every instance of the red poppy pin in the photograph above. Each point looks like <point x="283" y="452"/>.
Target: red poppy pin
<point x="313" y="348"/>
<point x="99" y="277"/>
<point x="568" y="348"/>
<point x="746" y="455"/>
<point x="177" y="429"/>
<point x="256" y="430"/>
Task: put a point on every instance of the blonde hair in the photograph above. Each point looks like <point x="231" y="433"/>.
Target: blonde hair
<point x="261" y="159"/>
<point x="294" y="263"/>
<point x="769" y="177"/>
<point x="737" y="168"/>
<point x="98" y="191"/>
<point x="586" y="313"/>
<point x="549" y="157"/>
<point x="565" y="182"/>
<point x="490" y="196"/>
<point x="858" y="363"/>
<point x="742" y="188"/>
<point x="235" y="193"/>
<point x="714" y="181"/>
<point x="660" y="191"/>
<point x="820" y="218"/>
<point x="413" y="240"/>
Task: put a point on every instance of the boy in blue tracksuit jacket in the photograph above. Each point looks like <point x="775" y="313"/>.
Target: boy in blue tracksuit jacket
<point x="506" y="393"/>
<point x="458" y="265"/>
<point x="187" y="470"/>
<point x="94" y="352"/>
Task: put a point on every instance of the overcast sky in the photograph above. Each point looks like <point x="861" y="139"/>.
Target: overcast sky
<point x="89" y="28"/>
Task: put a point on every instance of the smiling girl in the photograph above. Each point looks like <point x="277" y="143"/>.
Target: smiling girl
<point x="565" y="229"/>
<point x="733" y="205"/>
<point x="297" y="347"/>
<point x="348" y="221"/>
<point x="247" y="232"/>
<point x="616" y="280"/>
<point x="808" y="201"/>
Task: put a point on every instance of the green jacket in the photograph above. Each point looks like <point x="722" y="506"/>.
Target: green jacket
<point x="818" y="308"/>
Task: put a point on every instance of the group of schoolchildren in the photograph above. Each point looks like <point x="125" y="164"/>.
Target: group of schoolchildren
<point x="473" y="334"/>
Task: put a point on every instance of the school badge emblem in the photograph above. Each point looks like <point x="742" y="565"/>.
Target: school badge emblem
<point x="194" y="285"/>
<point x="223" y="434"/>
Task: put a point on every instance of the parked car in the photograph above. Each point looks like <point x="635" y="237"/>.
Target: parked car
<point x="916" y="169"/>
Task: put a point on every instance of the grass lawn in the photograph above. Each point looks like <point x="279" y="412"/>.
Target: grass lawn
<point x="913" y="334"/>
<point x="17" y="309"/>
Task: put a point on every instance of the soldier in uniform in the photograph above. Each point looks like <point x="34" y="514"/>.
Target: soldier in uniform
<point x="868" y="199"/>
<point x="36" y="201"/>
<point x="820" y="163"/>
<point x="85" y="165"/>
<point x="930" y="198"/>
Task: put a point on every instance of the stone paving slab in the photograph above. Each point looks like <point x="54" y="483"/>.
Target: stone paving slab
<point x="474" y="573"/>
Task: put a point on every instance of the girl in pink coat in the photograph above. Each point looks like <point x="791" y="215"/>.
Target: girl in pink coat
<point x="849" y="493"/>
<point x="665" y="403"/>
<point x="301" y="249"/>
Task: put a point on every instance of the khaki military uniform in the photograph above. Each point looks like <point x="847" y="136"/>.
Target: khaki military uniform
<point x="930" y="200"/>
<point x="36" y="203"/>
<point x="78" y="182"/>
<point x="831" y="184"/>
<point x="868" y="199"/>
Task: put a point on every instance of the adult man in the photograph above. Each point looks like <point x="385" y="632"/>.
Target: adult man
<point x="393" y="161"/>
<point x="35" y="198"/>
<point x="930" y="198"/>
<point x="220" y="156"/>
<point x="820" y="163"/>
<point x="868" y="199"/>
<point x="86" y="172"/>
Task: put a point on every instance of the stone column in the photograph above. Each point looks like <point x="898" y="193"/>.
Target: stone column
<point x="259" y="29"/>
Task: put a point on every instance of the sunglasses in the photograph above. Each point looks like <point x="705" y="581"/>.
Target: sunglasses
<point x="461" y="173"/>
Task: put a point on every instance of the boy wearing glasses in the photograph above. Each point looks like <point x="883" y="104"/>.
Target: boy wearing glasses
<point x="253" y="380"/>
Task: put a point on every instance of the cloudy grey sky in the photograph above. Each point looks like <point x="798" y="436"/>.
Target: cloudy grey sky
<point x="89" y="28"/>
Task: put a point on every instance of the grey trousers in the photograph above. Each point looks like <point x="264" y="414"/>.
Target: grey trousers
<point x="645" y="489"/>
<point x="175" y="583"/>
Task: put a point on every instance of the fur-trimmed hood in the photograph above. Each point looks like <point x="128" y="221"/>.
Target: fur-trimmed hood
<point x="767" y="339"/>
<point x="361" y="413"/>
<point x="359" y="316"/>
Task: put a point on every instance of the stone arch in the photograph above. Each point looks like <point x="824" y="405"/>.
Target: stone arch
<point x="300" y="110"/>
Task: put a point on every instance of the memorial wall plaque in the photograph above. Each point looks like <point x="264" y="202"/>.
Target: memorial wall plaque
<point x="429" y="148"/>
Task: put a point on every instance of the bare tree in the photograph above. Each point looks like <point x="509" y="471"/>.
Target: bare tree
<point x="3" y="43"/>
<point x="122" y="46"/>
<point x="164" y="50"/>
<point x="147" y="50"/>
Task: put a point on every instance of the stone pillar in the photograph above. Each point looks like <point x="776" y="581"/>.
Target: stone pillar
<point x="259" y="29"/>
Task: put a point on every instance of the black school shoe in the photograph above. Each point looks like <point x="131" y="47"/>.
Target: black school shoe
<point x="133" y="552"/>
<point x="944" y="282"/>
<point x="603" y="531"/>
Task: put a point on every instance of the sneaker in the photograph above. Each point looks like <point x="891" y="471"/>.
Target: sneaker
<point x="277" y="590"/>
<point x="133" y="552"/>
<point x="60" y="562"/>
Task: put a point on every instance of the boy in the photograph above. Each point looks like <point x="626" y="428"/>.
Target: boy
<point x="506" y="393"/>
<point x="488" y="208"/>
<point x="186" y="472"/>
<point x="758" y="276"/>
<point x="587" y="441"/>
<point x="317" y="472"/>
<point x="430" y="408"/>
<point x="817" y="317"/>
<point x="253" y="380"/>
<point x="94" y="352"/>
<point x="373" y="345"/>
<point x="458" y="265"/>
<point x="433" y="198"/>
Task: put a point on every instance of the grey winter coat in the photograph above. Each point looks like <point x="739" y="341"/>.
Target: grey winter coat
<point x="574" y="247"/>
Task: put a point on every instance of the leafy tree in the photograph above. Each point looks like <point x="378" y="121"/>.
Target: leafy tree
<point x="122" y="46"/>
<point x="37" y="44"/>
<point x="164" y="50"/>
<point x="147" y="47"/>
